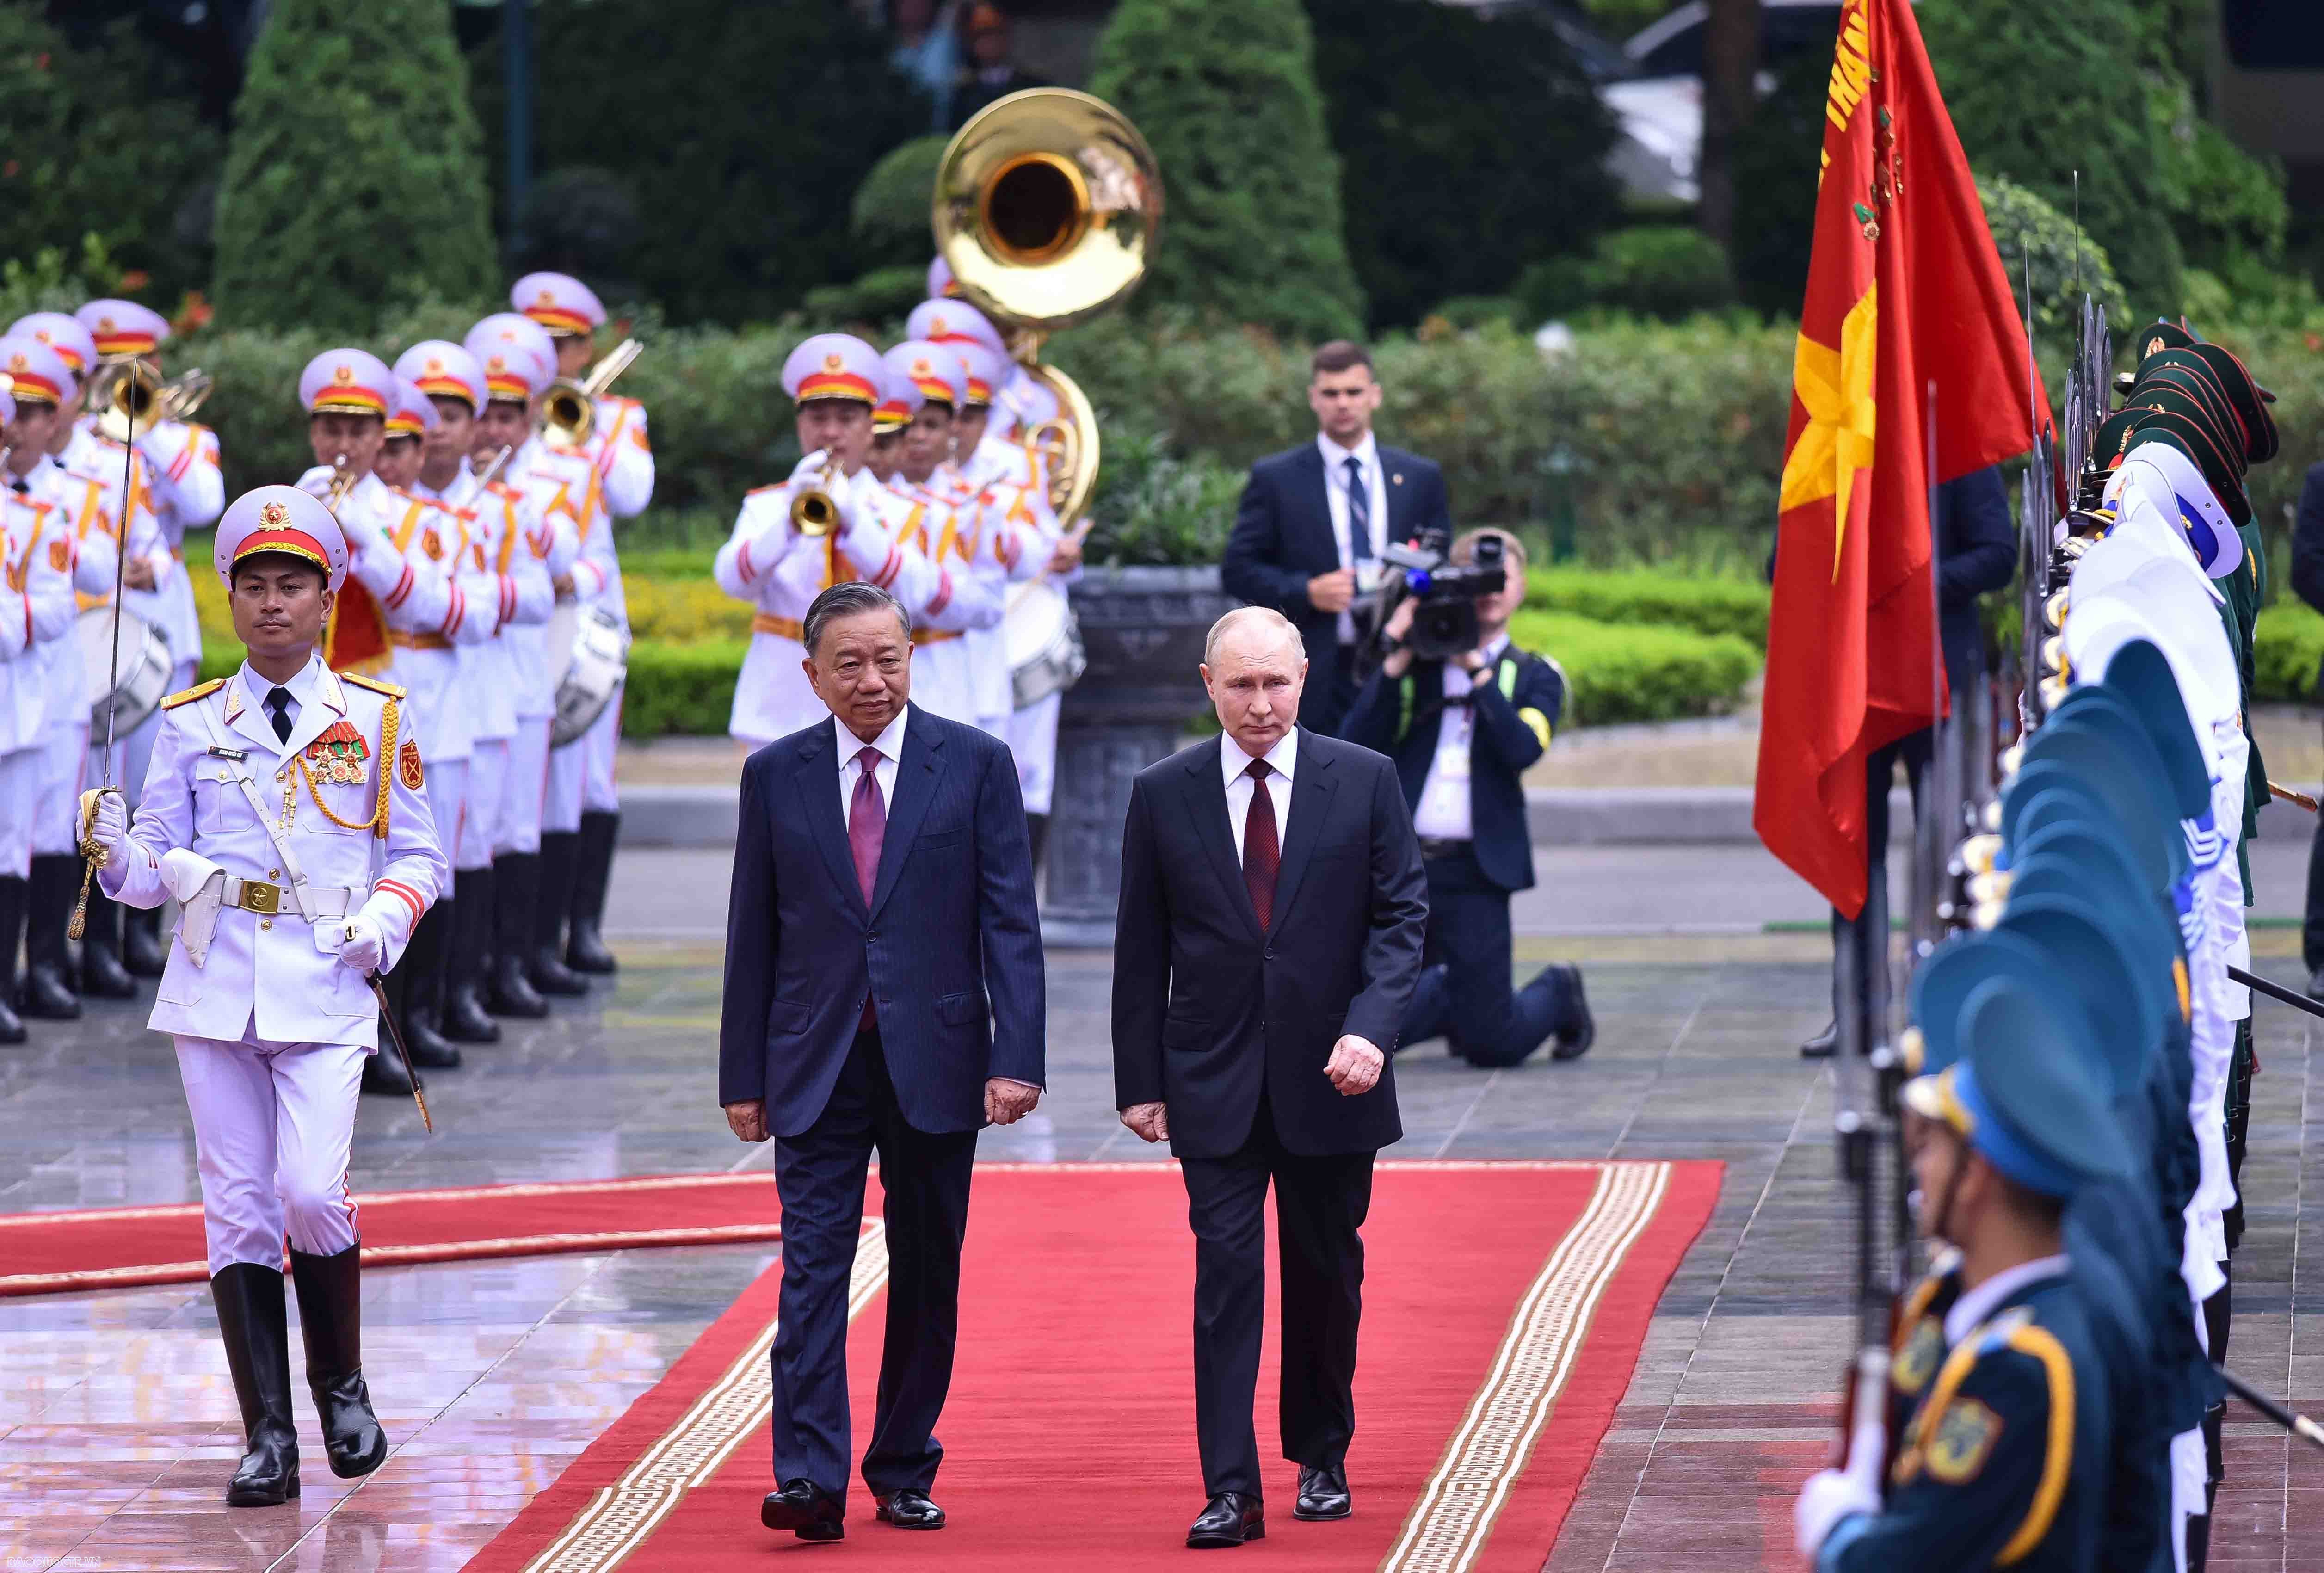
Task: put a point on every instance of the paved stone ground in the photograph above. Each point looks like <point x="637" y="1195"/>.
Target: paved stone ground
<point x="116" y="1426"/>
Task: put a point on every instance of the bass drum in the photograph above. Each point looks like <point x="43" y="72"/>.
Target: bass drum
<point x="1043" y="641"/>
<point x="589" y="655"/>
<point x="145" y="669"/>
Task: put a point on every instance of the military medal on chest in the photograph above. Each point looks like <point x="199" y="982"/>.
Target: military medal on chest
<point x="339" y="754"/>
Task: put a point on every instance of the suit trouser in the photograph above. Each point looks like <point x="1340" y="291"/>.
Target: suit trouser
<point x="1916" y="752"/>
<point x="819" y="1175"/>
<point x="1320" y="1204"/>
<point x="1471" y="1001"/>
<point x="272" y="1126"/>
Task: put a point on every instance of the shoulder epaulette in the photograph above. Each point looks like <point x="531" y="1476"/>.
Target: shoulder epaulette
<point x="199" y="692"/>
<point x="374" y="684"/>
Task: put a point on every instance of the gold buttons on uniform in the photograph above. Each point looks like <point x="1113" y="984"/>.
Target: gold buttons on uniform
<point x="266" y="922"/>
<point x="274" y="874"/>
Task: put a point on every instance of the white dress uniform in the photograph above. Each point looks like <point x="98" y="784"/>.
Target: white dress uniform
<point x="35" y="613"/>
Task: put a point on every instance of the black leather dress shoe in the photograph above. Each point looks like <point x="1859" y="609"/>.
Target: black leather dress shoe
<point x="1574" y="1038"/>
<point x="1229" y="1520"/>
<point x="910" y="1510"/>
<point x="806" y="1509"/>
<point x="1323" y="1493"/>
<point x="1821" y="1046"/>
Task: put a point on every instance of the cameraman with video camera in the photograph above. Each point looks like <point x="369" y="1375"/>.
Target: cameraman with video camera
<point x="1464" y="713"/>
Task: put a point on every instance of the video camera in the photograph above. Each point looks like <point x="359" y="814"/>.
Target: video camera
<point x="1444" y="622"/>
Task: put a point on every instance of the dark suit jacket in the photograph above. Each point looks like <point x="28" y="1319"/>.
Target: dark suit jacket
<point x="1208" y="1011"/>
<point x="950" y="946"/>
<point x="2308" y="543"/>
<point x="1283" y="538"/>
<point x="1502" y="748"/>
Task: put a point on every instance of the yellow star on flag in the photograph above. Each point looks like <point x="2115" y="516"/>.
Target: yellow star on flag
<point x="1835" y="387"/>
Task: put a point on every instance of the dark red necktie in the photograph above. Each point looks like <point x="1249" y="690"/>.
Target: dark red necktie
<point x="867" y="828"/>
<point x="1262" y="851"/>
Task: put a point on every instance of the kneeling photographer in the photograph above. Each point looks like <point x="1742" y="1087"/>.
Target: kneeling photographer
<point x="1464" y="713"/>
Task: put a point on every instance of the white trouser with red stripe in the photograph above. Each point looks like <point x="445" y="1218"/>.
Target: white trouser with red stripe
<point x="272" y="1126"/>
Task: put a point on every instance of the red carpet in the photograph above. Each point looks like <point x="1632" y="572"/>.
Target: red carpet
<point x="122" y="1247"/>
<point x="1504" y="1308"/>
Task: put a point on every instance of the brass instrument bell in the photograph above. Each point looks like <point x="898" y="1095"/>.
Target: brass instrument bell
<point x="814" y="512"/>
<point x="568" y="408"/>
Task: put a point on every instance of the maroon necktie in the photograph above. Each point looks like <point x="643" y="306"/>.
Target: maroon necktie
<point x="867" y="827"/>
<point x="1262" y="851"/>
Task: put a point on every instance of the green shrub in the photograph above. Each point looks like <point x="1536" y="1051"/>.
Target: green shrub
<point x="1484" y="130"/>
<point x="681" y="689"/>
<point x="2030" y="233"/>
<point x="865" y="305"/>
<point x="2287" y="647"/>
<point x="889" y="219"/>
<point x="1226" y="95"/>
<point x="354" y="179"/>
<point x="1632" y="598"/>
<point x="1669" y="271"/>
<point x="1151" y="507"/>
<point x="1616" y="674"/>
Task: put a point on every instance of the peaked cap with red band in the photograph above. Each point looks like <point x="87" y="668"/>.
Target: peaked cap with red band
<point x="346" y="382"/>
<point x="123" y="329"/>
<point x="36" y="374"/>
<point x="934" y="369"/>
<point x="442" y="369"/>
<point x="560" y="302"/>
<point x="280" y="519"/>
<point x="413" y="415"/>
<point x="519" y="358"/>
<point x="834" y="366"/>
<point x="954" y="322"/>
<point x="900" y="400"/>
<point x="63" y="333"/>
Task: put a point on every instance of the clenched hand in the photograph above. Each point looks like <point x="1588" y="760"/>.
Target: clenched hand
<point x="748" y="1119"/>
<point x="1150" y="1121"/>
<point x="1006" y="1102"/>
<point x="1355" y="1065"/>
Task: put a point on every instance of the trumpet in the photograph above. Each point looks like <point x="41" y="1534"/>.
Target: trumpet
<point x="814" y="512"/>
<point x="129" y="398"/>
<point x="343" y="481"/>
<point x="568" y="409"/>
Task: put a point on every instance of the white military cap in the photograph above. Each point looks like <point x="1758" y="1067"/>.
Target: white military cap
<point x="900" y="400"/>
<point x="441" y="368"/>
<point x="2174" y="485"/>
<point x="560" y="302"/>
<point x="834" y="366"/>
<point x="412" y="414"/>
<point x="123" y="327"/>
<point x="352" y="381"/>
<point x="936" y="370"/>
<point x="519" y="359"/>
<point x="954" y="322"/>
<point x="36" y="374"/>
<point x="987" y="369"/>
<point x="65" y="335"/>
<point x="280" y="519"/>
<point x="940" y="280"/>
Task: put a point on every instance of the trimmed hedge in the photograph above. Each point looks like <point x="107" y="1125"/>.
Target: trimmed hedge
<point x="1616" y="674"/>
<point x="1637" y="597"/>
<point x="2288" y="647"/>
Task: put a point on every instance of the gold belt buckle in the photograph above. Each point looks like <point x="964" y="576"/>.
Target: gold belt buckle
<point x="258" y="896"/>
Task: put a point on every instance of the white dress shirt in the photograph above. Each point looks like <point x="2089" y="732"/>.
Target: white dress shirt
<point x="1975" y="1305"/>
<point x="301" y="688"/>
<point x="1282" y="759"/>
<point x="1444" y="810"/>
<point x="1336" y="495"/>
<point x="891" y="745"/>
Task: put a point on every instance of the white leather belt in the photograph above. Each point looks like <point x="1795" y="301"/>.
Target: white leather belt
<point x="256" y="896"/>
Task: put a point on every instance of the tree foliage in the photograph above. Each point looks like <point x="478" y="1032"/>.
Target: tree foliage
<point x="354" y="179"/>
<point x="1226" y="94"/>
<point x="1469" y="148"/>
<point x="743" y="132"/>
<point x="888" y="219"/>
<point x="2037" y="244"/>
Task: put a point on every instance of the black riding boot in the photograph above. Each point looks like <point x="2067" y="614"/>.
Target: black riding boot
<point x="422" y="971"/>
<point x="143" y="949"/>
<point x="383" y="1072"/>
<point x="585" y="947"/>
<point x="48" y="994"/>
<point x="516" y="879"/>
<point x="465" y="1018"/>
<point x="11" y="939"/>
<point x="554" y="873"/>
<point x="102" y="976"/>
<point x="255" y="1323"/>
<point x="330" y="1315"/>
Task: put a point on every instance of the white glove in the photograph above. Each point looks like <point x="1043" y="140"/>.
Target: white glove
<point x="110" y="827"/>
<point x="365" y="945"/>
<point x="1829" y="1497"/>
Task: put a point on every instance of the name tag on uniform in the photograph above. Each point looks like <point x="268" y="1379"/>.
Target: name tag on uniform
<point x="235" y="754"/>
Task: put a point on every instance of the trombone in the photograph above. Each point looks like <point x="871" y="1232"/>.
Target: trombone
<point x="568" y="409"/>
<point x="129" y="397"/>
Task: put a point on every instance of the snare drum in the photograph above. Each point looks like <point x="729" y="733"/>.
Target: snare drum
<point x="589" y="652"/>
<point x="145" y="669"/>
<point x="1042" y="641"/>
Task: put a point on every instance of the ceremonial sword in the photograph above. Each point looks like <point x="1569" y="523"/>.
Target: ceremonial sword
<point x="2299" y="1425"/>
<point x="93" y="852"/>
<point x="387" y="1014"/>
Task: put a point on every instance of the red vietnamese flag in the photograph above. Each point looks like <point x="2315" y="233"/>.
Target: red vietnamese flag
<point x="1904" y="289"/>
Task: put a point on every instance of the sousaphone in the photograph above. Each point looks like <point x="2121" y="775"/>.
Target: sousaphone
<point x="1047" y="206"/>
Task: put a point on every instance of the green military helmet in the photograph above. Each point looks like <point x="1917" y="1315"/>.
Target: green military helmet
<point x="2097" y="970"/>
<point x="1943" y="981"/>
<point x="2126" y="776"/>
<point x="2093" y="705"/>
<point x="2027" y="1095"/>
<point x="2139" y="675"/>
<point x="2251" y="401"/>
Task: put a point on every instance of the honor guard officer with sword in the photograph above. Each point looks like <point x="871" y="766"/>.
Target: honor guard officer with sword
<point x="83" y="478"/>
<point x="399" y="611"/>
<point x="520" y="361"/>
<point x="786" y="550"/>
<point x="36" y="609"/>
<point x="583" y="814"/>
<point x="188" y="492"/>
<point x="286" y="810"/>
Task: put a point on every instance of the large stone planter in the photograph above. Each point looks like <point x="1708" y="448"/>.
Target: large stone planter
<point x="1143" y="630"/>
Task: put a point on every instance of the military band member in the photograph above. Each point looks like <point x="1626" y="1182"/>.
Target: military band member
<point x="836" y="382"/>
<point x="35" y="611"/>
<point x="584" y="812"/>
<point x="286" y="810"/>
<point x="900" y="400"/>
<point x="188" y="492"/>
<point x="1019" y="528"/>
<point x="520" y="361"/>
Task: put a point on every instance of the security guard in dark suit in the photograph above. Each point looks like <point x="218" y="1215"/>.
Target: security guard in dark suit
<point x="1462" y="733"/>
<point x="2003" y="1460"/>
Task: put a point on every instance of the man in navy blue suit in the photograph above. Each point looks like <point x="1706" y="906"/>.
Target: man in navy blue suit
<point x="883" y="991"/>
<point x="1313" y="522"/>
<point x="1463" y="731"/>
